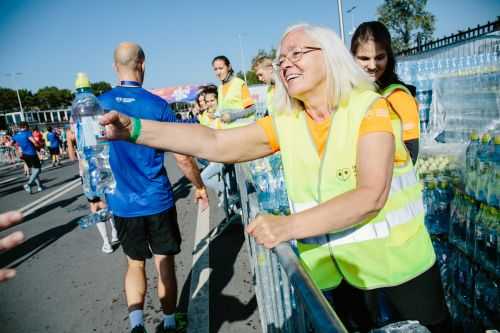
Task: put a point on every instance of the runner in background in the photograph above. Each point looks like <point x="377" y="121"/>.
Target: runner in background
<point x="263" y="68"/>
<point x="212" y="173"/>
<point x="40" y="143"/>
<point x="53" y="143"/>
<point x="372" y="50"/>
<point x="28" y="145"/>
<point x="235" y="105"/>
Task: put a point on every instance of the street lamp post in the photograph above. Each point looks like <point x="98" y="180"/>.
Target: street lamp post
<point x="341" y="19"/>
<point x="242" y="59"/>
<point x="17" y="92"/>
<point x="349" y="11"/>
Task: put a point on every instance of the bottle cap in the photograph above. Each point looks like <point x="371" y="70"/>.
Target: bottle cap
<point x="82" y="81"/>
<point x="497" y="139"/>
<point x="486" y="138"/>
<point x="474" y="136"/>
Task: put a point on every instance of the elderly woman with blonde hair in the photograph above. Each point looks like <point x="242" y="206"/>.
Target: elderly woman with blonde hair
<point x="357" y="213"/>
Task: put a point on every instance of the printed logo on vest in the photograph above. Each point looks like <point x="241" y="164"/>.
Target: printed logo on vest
<point x="343" y="174"/>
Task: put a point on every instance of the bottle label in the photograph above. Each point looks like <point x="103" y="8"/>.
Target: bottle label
<point x="90" y="131"/>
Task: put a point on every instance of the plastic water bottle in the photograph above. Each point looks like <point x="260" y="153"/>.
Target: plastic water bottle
<point x="430" y="205"/>
<point x="493" y="189"/>
<point x="483" y="168"/>
<point x="470" y="212"/>
<point x="470" y="164"/>
<point x="480" y="235"/>
<point x="100" y="216"/>
<point x="444" y="196"/>
<point x="85" y="113"/>
<point x="491" y="228"/>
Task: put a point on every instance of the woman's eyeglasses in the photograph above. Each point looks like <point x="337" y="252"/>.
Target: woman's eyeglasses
<point x="294" y="55"/>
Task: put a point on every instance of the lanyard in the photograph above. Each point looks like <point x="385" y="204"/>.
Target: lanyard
<point x="130" y="84"/>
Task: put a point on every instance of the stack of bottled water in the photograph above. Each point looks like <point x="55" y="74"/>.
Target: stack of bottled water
<point x="474" y="267"/>
<point x="92" y="149"/>
<point x="455" y="93"/>
<point x="269" y="182"/>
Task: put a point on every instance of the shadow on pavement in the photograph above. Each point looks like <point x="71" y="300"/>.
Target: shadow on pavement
<point x="35" y="244"/>
<point x="224" y="251"/>
<point x="48" y="208"/>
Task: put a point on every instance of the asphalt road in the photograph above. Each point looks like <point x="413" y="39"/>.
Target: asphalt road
<point x="65" y="283"/>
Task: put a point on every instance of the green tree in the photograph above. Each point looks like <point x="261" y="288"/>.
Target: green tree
<point x="100" y="87"/>
<point x="251" y="76"/>
<point x="53" y="98"/>
<point x="407" y="20"/>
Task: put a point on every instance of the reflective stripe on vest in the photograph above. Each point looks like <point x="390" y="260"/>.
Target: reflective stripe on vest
<point x="372" y="230"/>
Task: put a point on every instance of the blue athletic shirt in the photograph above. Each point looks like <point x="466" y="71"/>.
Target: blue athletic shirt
<point x="27" y="147"/>
<point x="53" y="139"/>
<point x="142" y="185"/>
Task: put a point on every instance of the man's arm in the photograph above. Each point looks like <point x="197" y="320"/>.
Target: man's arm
<point x="190" y="169"/>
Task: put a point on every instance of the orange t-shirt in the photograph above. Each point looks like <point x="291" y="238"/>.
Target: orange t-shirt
<point x="407" y="109"/>
<point x="245" y="95"/>
<point x="377" y="119"/>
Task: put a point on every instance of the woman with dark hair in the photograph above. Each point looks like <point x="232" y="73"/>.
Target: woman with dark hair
<point x="372" y="50"/>
<point x="235" y="105"/>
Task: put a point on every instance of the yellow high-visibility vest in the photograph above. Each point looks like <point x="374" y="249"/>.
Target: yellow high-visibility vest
<point x="384" y="250"/>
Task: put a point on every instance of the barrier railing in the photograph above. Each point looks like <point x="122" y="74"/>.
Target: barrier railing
<point x="288" y="299"/>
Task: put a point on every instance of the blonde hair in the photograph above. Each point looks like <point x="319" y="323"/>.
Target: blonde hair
<point x="342" y="73"/>
<point x="260" y="61"/>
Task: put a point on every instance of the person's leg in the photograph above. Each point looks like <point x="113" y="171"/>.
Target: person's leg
<point x="34" y="176"/>
<point x="165" y="241"/>
<point x="96" y="206"/>
<point x="135" y="290"/>
<point x="131" y="232"/>
<point x="167" y="288"/>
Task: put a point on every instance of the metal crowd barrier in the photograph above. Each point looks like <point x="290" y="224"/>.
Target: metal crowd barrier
<point x="288" y="299"/>
<point x="8" y="155"/>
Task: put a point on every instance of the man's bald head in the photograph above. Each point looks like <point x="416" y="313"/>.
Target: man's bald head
<point x="129" y="56"/>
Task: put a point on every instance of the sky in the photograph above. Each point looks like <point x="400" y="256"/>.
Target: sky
<point x="49" y="41"/>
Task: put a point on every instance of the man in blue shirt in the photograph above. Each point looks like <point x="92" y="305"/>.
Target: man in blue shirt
<point x="53" y="143"/>
<point x="27" y="144"/>
<point x="143" y="204"/>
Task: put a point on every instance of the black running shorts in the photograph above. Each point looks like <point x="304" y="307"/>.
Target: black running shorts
<point x="32" y="161"/>
<point x="143" y="236"/>
<point x="54" y="151"/>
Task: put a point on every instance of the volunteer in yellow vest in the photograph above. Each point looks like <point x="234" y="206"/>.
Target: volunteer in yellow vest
<point x="263" y="68"/>
<point x="235" y="105"/>
<point x="357" y="205"/>
<point x="212" y="173"/>
<point x="372" y="50"/>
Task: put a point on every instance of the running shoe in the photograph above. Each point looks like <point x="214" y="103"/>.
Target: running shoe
<point x="27" y="188"/>
<point x="138" y="329"/>
<point x="180" y="323"/>
<point x="39" y="189"/>
<point x="107" y="248"/>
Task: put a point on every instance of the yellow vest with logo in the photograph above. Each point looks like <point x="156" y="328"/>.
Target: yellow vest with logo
<point x="385" y="250"/>
<point x="234" y="100"/>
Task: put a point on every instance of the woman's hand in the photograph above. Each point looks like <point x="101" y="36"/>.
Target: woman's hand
<point x="226" y="118"/>
<point x="270" y="230"/>
<point x="118" y="126"/>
